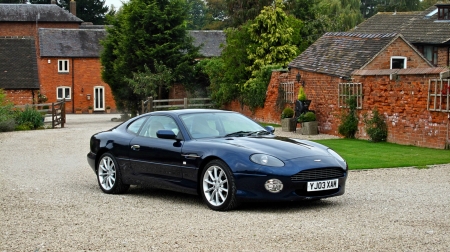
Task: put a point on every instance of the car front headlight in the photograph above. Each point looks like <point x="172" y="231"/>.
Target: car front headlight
<point x="267" y="160"/>
<point x="335" y="155"/>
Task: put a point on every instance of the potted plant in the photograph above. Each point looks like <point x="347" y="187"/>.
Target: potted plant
<point x="78" y="111"/>
<point x="302" y="103"/>
<point x="108" y="109"/>
<point x="308" y="123"/>
<point x="288" y="122"/>
<point x="90" y="109"/>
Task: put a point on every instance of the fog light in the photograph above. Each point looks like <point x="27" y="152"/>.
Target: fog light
<point x="274" y="185"/>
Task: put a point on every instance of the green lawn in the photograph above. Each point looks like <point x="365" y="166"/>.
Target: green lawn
<point x="362" y="154"/>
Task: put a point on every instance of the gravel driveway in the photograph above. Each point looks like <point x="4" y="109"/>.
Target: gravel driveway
<point x="50" y="201"/>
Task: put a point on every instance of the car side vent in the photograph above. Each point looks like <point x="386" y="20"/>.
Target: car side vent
<point x="318" y="174"/>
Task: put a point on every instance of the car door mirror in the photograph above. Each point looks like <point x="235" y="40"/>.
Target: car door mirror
<point x="166" y="134"/>
<point x="271" y="129"/>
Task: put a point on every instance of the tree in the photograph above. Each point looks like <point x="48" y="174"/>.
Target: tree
<point x="216" y="15"/>
<point x="89" y="10"/>
<point x="148" y="84"/>
<point x="399" y="5"/>
<point x="145" y="32"/>
<point x="272" y="38"/>
<point x="197" y="14"/>
<point x="240" y="11"/>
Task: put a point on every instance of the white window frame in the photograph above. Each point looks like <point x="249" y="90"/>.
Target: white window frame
<point x="61" y="66"/>
<point x="63" y="92"/>
<point x="405" y="60"/>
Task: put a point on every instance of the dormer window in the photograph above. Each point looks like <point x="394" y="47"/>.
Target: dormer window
<point x="398" y="62"/>
<point x="443" y="12"/>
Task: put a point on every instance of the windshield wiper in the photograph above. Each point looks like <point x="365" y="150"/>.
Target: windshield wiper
<point x="259" y="132"/>
<point x="248" y="133"/>
<point x="239" y="133"/>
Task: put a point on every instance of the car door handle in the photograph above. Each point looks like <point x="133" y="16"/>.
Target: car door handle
<point x="135" y="147"/>
<point x="190" y="155"/>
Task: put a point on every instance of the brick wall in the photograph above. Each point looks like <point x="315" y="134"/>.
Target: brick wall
<point x="84" y="75"/>
<point x="20" y="97"/>
<point x="443" y="56"/>
<point x="402" y="103"/>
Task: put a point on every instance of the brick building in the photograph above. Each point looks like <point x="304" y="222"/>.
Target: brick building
<point x="19" y="46"/>
<point x="383" y="71"/>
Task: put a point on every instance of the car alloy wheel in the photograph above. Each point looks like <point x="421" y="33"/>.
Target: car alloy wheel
<point x="218" y="187"/>
<point x="108" y="175"/>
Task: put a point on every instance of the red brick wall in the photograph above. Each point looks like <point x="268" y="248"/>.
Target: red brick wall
<point x="20" y="97"/>
<point x="84" y="74"/>
<point x="443" y="54"/>
<point x="402" y="103"/>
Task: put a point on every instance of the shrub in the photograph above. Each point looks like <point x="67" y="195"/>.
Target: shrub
<point x="376" y="127"/>
<point x="349" y="120"/>
<point x="287" y="113"/>
<point x="7" y="122"/>
<point x="307" y="117"/>
<point x="301" y="94"/>
<point x="30" y="117"/>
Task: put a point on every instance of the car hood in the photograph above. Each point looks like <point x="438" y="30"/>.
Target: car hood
<point x="281" y="147"/>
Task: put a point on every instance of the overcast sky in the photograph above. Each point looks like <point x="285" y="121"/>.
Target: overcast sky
<point x="117" y="3"/>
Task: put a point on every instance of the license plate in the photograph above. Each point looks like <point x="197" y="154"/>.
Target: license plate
<point x="323" y="185"/>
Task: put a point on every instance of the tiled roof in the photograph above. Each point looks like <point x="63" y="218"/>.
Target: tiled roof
<point x="35" y="12"/>
<point x="209" y="41"/>
<point x="76" y="43"/>
<point x="340" y="53"/>
<point x="18" y="63"/>
<point x="415" y="26"/>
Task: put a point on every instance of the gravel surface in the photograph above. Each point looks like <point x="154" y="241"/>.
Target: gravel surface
<point x="50" y="201"/>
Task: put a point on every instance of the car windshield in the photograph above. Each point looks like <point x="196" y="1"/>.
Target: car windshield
<point x="220" y="124"/>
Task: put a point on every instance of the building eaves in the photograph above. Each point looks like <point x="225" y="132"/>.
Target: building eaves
<point x="35" y="13"/>
<point x="407" y="71"/>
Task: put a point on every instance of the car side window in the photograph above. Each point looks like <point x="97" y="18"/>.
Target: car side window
<point x="156" y="123"/>
<point x="136" y="125"/>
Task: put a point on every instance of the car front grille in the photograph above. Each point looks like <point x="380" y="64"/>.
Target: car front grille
<point x="318" y="174"/>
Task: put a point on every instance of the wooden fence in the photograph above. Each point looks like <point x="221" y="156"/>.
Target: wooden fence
<point x="152" y="105"/>
<point x="56" y="110"/>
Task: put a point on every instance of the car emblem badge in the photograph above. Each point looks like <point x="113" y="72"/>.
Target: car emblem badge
<point x="317" y="160"/>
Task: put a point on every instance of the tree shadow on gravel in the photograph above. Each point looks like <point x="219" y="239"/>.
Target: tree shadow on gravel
<point x="293" y="206"/>
<point x="165" y="195"/>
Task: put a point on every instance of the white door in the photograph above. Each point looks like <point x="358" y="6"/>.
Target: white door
<point x="99" y="98"/>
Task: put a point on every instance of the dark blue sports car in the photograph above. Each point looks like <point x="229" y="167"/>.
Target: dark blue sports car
<point x="221" y="155"/>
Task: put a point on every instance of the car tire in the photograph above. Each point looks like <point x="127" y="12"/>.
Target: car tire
<point x="109" y="176"/>
<point x="217" y="186"/>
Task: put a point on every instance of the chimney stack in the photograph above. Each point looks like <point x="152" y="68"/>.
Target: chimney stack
<point x="73" y="7"/>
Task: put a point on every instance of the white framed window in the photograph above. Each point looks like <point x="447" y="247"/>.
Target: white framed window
<point x="63" y="92"/>
<point x="63" y="66"/>
<point x="398" y="62"/>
